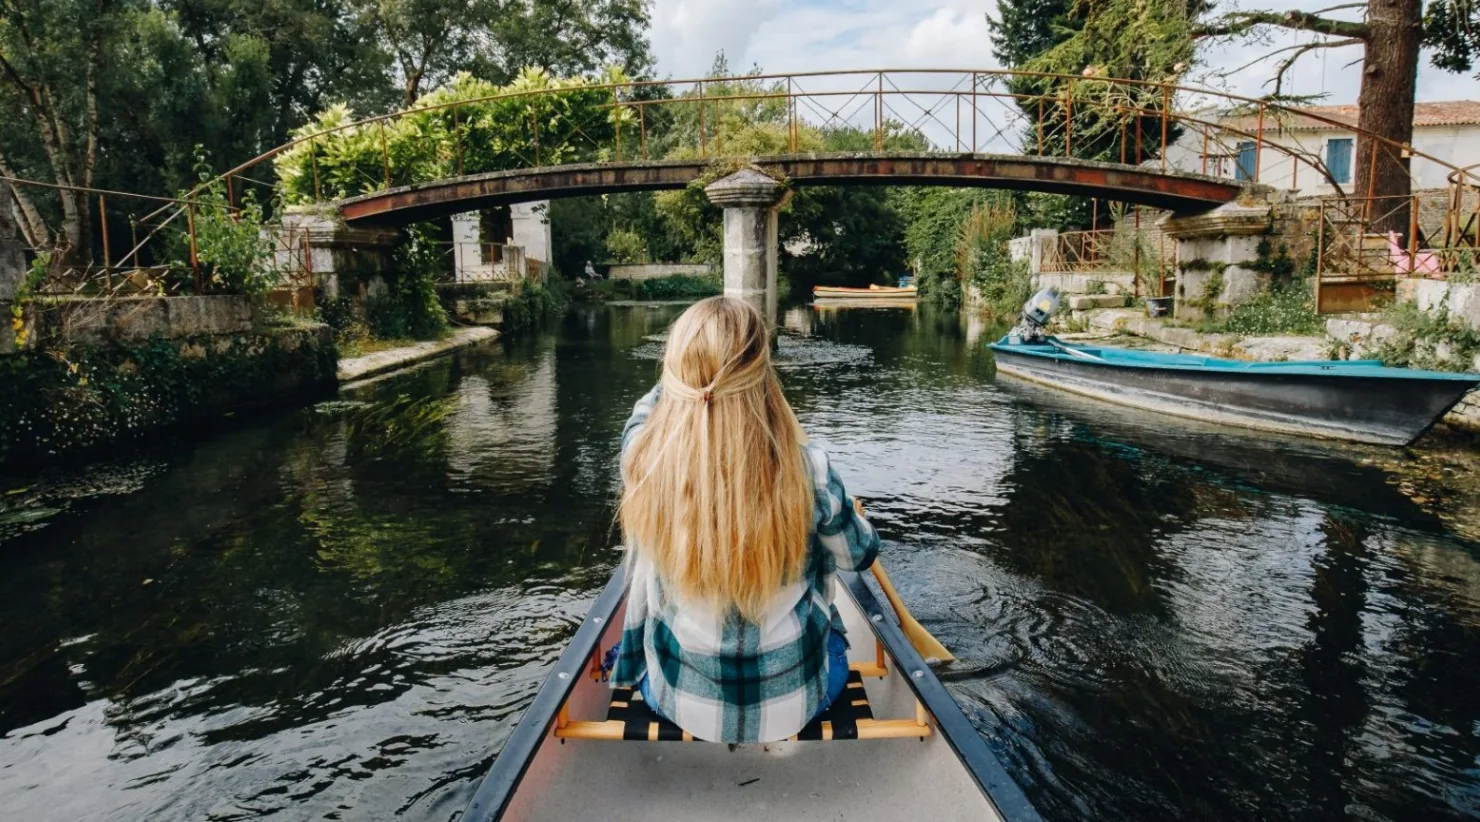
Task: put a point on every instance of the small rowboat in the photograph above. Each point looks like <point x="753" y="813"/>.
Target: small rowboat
<point x="1357" y="400"/>
<point x="894" y="746"/>
<point x="873" y="292"/>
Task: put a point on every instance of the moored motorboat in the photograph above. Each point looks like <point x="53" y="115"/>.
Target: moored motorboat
<point x="1359" y="400"/>
<point x="895" y="746"/>
<point x="873" y="292"/>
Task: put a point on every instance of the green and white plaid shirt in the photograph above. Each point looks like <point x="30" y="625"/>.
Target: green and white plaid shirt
<point x="724" y="679"/>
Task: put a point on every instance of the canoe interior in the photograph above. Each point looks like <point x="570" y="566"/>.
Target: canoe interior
<point x="876" y="779"/>
<point x="1359" y="402"/>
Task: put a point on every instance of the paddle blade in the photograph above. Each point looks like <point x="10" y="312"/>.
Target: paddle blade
<point x="928" y="646"/>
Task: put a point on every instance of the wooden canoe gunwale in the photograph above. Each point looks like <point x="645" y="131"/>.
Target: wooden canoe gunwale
<point x="502" y="780"/>
<point x="499" y="786"/>
<point x="996" y="785"/>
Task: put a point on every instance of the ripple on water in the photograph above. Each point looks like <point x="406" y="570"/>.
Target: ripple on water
<point x="342" y="613"/>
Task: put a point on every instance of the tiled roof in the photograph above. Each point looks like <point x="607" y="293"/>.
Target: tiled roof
<point x="1446" y="113"/>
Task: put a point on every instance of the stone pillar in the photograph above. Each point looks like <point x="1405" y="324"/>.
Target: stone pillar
<point x="1216" y="252"/>
<point x="1039" y="248"/>
<point x="749" y="199"/>
<point x="339" y="257"/>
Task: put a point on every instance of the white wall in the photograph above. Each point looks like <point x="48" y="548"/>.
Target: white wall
<point x="531" y="234"/>
<point x="532" y="229"/>
<point x="1457" y="145"/>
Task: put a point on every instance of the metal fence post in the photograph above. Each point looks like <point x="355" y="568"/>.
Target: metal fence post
<point x="107" y="256"/>
<point x="385" y="154"/>
<point x="1259" y="144"/>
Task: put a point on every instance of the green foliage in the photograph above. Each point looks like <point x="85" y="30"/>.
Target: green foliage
<point x="1024" y="29"/>
<point x="411" y="307"/>
<point x="435" y="140"/>
<point x="1287" y="309"/>
<point x="581" y="225"/>
<point x="340" y="314"/>
<point x="72" y="400"/>
<point x="1288" y="306"/>
<point x="25" y="290"/>
<point x="845" y="235"/>
<point x="984" y="261"/>
<point x="1435" y="340"/>
<point x="678" y="287"/>
<point x="234" y="253"/>
<point x="533" y="305"/>
<point x="934" y="220"/>
<point x="623" y="245"/>
<point x="1452" y="29"/>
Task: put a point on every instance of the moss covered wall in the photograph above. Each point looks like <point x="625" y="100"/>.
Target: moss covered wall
<point x="76" y="399"/>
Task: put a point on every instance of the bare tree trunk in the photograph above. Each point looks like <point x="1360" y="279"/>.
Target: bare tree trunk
<point x="37" y="234"/>
<point x="1389" y="81"/>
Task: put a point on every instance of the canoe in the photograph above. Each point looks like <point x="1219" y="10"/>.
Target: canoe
<point x="873" y="292"/>
<point x="1358" y="400"/>
<point x="895" y="746"/>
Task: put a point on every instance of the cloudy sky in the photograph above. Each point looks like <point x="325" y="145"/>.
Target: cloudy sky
<point x="815" y="35"/>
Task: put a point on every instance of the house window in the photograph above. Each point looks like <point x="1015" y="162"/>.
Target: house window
<point x="1243" y="166"/>
<point x="1339" y="159"/>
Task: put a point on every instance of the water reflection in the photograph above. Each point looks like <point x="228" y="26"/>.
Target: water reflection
<point x="341" y="611"/>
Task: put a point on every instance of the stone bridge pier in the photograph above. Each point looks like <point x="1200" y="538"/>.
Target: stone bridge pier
<point x="750" y="201"/>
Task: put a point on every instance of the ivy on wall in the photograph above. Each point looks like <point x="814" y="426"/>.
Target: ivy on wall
<point x="59" y="402"/>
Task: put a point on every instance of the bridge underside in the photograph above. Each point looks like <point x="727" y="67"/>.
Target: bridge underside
<point x="1174" y="191"/>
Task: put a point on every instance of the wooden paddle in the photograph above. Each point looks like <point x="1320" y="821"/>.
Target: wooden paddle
<point x="928" y="646"/>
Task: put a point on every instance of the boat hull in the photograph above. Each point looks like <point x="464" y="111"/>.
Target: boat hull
<point x="1386" y="410"/>
<point x="948" y="775"/>
<point x="823" y="292"/>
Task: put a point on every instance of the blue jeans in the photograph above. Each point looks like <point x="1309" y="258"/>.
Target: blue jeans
<point x="837" y="676"/>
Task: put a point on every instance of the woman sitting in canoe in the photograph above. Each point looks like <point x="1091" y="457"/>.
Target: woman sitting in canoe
<point x="734" y="526"/>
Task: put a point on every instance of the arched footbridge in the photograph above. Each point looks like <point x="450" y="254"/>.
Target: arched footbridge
<point x="1110" y="181"/>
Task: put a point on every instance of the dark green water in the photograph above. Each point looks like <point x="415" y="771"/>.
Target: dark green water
<point x="339" y="612"/>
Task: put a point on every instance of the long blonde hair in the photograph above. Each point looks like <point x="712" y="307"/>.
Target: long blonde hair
<point x="715" y="490"/>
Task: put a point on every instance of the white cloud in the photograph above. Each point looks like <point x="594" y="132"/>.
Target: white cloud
<point x="688" y="33"/>
<point x="824" y="35"/>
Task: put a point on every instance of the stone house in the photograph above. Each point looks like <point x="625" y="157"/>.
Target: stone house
<point x="502" y="243"/>
<point x="1447" y="131"/>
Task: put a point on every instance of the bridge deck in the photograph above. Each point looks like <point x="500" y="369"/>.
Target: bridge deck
<point x="1176" y="191"/>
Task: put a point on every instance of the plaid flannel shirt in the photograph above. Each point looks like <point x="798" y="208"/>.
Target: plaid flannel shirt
<point x="720" y="677"/>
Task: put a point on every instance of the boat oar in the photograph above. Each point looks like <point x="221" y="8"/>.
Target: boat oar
<point x="928" y="646"/>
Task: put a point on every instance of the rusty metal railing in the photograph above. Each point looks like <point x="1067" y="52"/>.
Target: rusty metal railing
<point x="1164" y="127"/>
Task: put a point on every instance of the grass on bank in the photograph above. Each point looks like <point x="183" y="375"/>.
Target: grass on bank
<point x="1288" y="310"/>
<point x="671" y="287"/>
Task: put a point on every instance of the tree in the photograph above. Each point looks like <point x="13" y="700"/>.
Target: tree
<point x="1082" y="111"/>
<point x="1452" y="29"/>
<point x="51" y="57"/>
<point x="1024" y="29"/>
<point x="496" y="39"/>
<point x="1390" y="33"/>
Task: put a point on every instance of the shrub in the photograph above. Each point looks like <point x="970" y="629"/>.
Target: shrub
<point x="624" y="245"/>
<point x="678" y="287"/>
<point x="1281" y="310"/>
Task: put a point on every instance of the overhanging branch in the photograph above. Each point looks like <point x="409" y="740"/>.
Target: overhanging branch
<point x="1242" y="22"/>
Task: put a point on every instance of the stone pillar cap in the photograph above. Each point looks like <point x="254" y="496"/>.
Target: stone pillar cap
<point x="1227" y="220"/>
<point x="746" y="187"/>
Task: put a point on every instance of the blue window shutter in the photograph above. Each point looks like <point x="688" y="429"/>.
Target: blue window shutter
<point x="1243" y="168"/>
<point x="1339" y="159"/>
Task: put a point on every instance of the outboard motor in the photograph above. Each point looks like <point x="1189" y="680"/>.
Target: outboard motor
<point x="1037" y="312"/>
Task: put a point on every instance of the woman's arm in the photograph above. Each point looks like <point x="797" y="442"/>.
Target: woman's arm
<point x="640" y="413"/>
<point x="841" y="526"/>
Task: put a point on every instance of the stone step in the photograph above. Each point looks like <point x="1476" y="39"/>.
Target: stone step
<point x="1086" y="302"/>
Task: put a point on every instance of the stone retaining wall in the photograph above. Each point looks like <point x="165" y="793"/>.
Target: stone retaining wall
<point x="650" y="271"/>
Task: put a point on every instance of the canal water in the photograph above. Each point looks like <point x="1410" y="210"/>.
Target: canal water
<point x="339" y="612"/>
